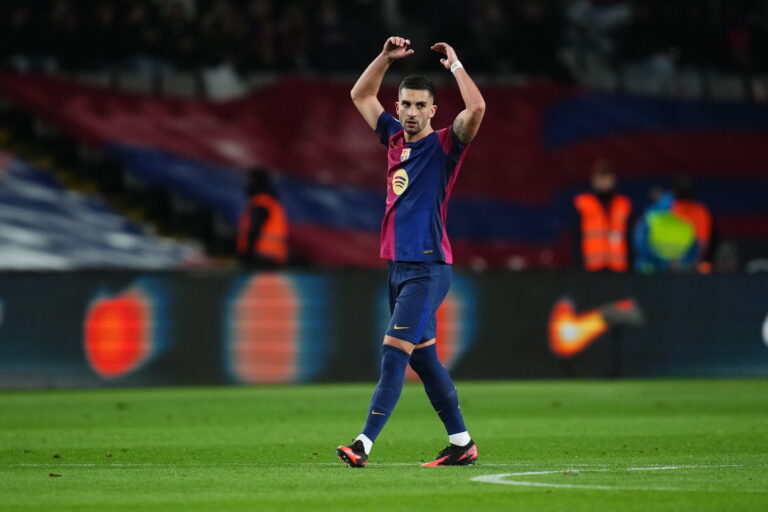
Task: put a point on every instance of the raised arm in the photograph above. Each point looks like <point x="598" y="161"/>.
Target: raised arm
<point x="467" y="123"/>
<point x="364" y="93"/>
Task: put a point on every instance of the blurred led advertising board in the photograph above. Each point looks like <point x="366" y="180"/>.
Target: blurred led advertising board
<point x="96" y="329"/>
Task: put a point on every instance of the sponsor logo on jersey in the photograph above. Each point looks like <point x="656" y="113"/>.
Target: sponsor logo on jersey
<point x="400" y="181"/>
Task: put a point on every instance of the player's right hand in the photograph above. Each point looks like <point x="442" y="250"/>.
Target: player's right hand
<point x="396" y="48"/>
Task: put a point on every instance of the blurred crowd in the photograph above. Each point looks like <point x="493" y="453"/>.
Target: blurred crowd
<point x="546" y="38"/>
<point x="673" y="232"/>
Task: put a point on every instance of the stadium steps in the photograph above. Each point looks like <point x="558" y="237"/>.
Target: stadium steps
<point x="87" y="171"/>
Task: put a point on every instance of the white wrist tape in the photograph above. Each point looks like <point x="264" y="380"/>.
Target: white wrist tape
<point x="456" y="65"/>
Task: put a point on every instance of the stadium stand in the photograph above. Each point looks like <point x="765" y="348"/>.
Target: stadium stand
<point x="684" y="48"/>
<point x="511" y="204"/>
<point x="45" y="226"/>
<point x="641" y="83"/>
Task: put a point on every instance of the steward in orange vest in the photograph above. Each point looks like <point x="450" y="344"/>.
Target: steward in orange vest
<point x="262" y="237"/>
<point x="687" y="207"/>
<point x="603" y="219"/>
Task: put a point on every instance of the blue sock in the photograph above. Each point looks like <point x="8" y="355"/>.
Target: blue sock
<point x="439" y="387"/>
<point x="387" y="393"/>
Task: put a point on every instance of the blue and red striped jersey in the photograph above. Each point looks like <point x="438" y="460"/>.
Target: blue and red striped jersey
<point x="420" y="177"/>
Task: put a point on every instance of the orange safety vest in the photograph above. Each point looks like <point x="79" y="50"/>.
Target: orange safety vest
<point x="604" y="234"/>
<point x="273" y="240"/>
<point x="698" y="215"/>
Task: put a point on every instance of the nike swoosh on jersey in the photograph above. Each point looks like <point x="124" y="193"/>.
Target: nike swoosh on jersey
<point x="401" y="327"/>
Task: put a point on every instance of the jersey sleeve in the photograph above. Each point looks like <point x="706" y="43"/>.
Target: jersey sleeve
<point x="450" y="142"/>
<point x="387" y="126"/>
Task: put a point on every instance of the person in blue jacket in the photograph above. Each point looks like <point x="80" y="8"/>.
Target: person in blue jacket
<point x="662" y="240"/>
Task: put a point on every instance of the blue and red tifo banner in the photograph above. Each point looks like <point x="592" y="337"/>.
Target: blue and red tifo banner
<point x="512" y="202"/>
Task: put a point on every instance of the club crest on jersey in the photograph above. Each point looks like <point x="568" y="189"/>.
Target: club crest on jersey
<point x="405" y="154"/>
<point x="400" y="181"/>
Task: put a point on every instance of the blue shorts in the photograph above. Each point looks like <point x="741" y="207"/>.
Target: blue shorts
<point x="416" y="290"/>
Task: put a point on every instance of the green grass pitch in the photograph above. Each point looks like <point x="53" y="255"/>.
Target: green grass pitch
<point x="676" y="445"/>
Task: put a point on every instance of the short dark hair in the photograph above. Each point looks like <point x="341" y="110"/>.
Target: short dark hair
<point x="602" y="167"/>
<point x="417" y="82"/>
<point x="258" y="180"/>
<point x="684" y="187"/>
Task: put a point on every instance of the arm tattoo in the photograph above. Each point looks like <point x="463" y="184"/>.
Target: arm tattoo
<point x="458" y="128"/>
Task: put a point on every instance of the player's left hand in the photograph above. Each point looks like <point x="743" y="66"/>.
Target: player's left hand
<point x="447" y="50"/>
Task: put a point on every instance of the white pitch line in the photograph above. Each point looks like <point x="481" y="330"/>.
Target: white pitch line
<point x="598" y="466"/>
<point x="663" y="468"/>
<point x="179" y="465"/>
<point x="415" y="464"/>
<point x="185" y="465"/>
<point x="82" y="465"/>
<point x="502" y="478"/>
